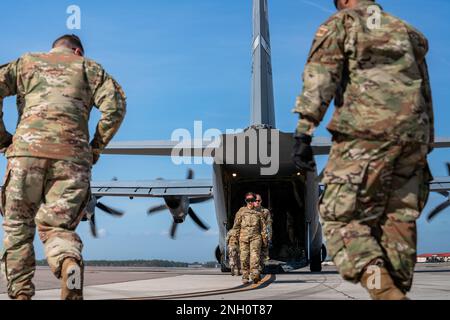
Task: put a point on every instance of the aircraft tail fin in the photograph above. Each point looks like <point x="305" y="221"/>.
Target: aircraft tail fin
<point x="262" y="108"/>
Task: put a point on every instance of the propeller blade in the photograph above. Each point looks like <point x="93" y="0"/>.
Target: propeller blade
<point x="155" y="209"/>
<point x="109" y="210"/>
<point x="438" y="210"/>
<point x="91" y="219"/>
<point x="190" y="174"/>
<point x="444" y="193"/>
<point x="173" y="230"/>
<point x="448" y="168"/>
<point x="197" y="220"/>
<point x="200" y="200"/>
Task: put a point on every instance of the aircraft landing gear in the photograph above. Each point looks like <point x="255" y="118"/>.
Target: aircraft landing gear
<point x="224" y="268"/>
<point x="220" y="259"/>
<point x="317" y="258"/>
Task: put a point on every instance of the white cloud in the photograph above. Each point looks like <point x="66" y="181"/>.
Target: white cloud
<point x="318" y="6"/>
<point x="102" y="233"/>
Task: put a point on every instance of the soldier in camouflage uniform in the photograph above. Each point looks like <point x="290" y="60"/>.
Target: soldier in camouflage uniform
<point x="373" y="65"/>
<point x="233" y="252"/>
<point x="48" y="175"/>
<point x="267" y="216"/>
<point x="251" y="228"/>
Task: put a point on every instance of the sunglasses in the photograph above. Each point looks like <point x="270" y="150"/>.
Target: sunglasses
<point x="250" y="200"/>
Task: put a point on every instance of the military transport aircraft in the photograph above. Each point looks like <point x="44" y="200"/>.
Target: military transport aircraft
<point x="291" y="195"/>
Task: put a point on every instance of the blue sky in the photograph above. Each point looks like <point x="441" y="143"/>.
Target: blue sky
<point x="180" y="61"/>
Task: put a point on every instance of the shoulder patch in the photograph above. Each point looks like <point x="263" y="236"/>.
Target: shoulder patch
<point x="323" y="30"/>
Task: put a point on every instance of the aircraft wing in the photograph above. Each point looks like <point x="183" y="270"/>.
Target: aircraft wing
<point x="190" y="188"/>
<point x="440" y="184"/>
<point x="153" y="188"/>
<point x="321" y="146"/>
<point x="158" y="148"/>
<point x="442" y="143"/>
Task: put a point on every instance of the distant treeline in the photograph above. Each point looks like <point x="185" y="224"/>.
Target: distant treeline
<point x="139" y="263"/>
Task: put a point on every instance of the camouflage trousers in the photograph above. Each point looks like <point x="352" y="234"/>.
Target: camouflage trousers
<point x="264" y="257"/>
<point x="47" y="193"/>
<point x="374" y="193"/>
<point x="250" y="254"/>
<point x="234" y="261"/>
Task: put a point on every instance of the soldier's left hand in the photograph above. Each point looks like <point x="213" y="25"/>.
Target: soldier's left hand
<point x="95" y="158"/>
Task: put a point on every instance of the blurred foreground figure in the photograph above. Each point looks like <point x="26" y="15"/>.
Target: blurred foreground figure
<point x="47" y="180"/>
<point x="376" y="181"/>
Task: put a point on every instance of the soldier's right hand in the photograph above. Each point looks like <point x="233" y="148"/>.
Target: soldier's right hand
<point x="302" y="155"/>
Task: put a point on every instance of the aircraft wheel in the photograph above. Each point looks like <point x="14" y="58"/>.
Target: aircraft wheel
<point x="219" y="258"/>
<point x="224" y="268"/>
<point x="316" y="264"/>
<point x="218" y="254"/>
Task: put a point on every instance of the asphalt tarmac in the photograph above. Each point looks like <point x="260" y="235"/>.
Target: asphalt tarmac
<point x="432" y="282"/>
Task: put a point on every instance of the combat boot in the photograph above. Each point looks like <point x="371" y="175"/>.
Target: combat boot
<point x="382" y="288"/>
<point x="256" y="279"/>
<point x="22" y="297"/>
<point x="71" y="280"/>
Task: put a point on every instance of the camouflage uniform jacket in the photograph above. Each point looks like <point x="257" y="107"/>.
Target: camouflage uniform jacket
<point x="55" y="95"/>
<point x="250" y="224"/>
<point x="376" y="73"/>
